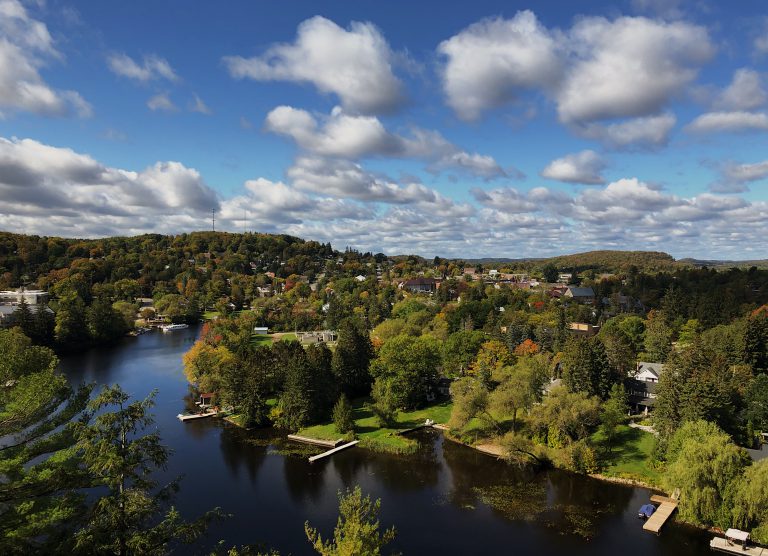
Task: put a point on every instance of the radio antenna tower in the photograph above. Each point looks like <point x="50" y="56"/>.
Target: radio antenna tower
<point x="213" y="219"/>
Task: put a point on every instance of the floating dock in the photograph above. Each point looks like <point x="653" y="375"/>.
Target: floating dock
<point x="722" y="545"/>
<point x="666" y="508"/>
<point x="313" y="459"/>
<point x="315" y="441"/>
<point x="191" y="416"/>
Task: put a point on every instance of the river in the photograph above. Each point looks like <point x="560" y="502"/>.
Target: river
<point x="446" y="499"/>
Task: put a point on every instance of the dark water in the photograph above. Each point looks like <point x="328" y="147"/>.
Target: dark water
<point x="447" y="499"/>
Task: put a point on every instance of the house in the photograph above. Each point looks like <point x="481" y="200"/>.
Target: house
<point x="642" y="395"/>
<point x="649" y="372"/>
<point x="8" y="313"/>
<point x="565" y="277"/>
<point x="360" y="278"/>
<point x="261" y="330"/>
<point x="420" y="285"/>
<point x="582" y="295"/>
<point x="583" y="329"/>
<point x="31" y="297"/>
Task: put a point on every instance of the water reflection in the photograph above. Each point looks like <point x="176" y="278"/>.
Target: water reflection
<point x="445" y="499"/>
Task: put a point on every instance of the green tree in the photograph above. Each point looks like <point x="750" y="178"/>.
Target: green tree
<point x="613" y="412"/>
<point x="750" y="510"/>
<point x="696" y="384"/>
<point x="296" y="401"/>
<point x="351" y="360"/>
<point x="705" y="468"/>
<point x="357" y="531"/>
<point x="756" y="402"/>
<point x="658" y="338"/>
<point x="132" y="517"/>
<point x="408" y="364"/>
<point x="586" y="367"/>
<point x="342" y="416"/>
<point x="460" y="349"/>
<point x="384" y="405"/>
<point x="39" y="501"/>
<point x="105" y="324"/>
<point x="565" y="416"/>
<point x="756" y="342"/>
<point x="71" y="331"/>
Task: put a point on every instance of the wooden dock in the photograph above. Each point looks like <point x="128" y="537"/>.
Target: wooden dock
<point x="440" y="427"/>
<point x="722" y="545"/>
<point x="313" y="459"/>
<point x="315" y="441"/>
<point x="191" y="416"/>
<point x="666" y="508"/>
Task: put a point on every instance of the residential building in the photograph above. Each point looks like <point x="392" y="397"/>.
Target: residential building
<point x="582" y="295"/>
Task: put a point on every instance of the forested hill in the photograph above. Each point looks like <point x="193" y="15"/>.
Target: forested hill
<point x="159" y="255"/>
<point x="615" y="261"/>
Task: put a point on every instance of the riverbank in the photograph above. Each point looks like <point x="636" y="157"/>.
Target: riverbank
<point x="383" y="439"/>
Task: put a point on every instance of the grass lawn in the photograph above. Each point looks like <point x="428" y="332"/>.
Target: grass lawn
<point x="261" y="340"/>
<point x="629" y="455"/>
<point x="210" y="315"/>
<point x="383" y="439"/>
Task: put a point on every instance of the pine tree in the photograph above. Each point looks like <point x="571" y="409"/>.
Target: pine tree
<point x="351" y="360"/>
<point x="38" y="497"/>
<point x="357" y="529"/>
<point x="131" y="518"/>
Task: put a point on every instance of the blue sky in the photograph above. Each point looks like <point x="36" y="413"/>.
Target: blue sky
<point x="487" y="128"/>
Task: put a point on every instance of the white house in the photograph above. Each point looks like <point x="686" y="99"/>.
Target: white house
<point x="261" y="330"/>
<point x="649" y="372"/>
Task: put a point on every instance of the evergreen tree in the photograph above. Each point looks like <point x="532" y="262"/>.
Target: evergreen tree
<point x="586" y="367"/>
<point x="357" y="529"/>
<point x="351" y="360"/>
<point x="70" y="330"/>
<point x="39" y="502"/>
<point x="297" y="401"/>
<point x="658" y="338"/>
<point x="342" y="416"/>
<point x="104" y="323"/>
<point x="133" y="517"/>
<point x="756" y="342"/>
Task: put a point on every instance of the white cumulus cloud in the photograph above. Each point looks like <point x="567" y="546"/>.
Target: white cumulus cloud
<point x="582" y="167"/>
<point x="490" y="62"/>
<point x="355" y="64"/>
<point x="25" y="47"/>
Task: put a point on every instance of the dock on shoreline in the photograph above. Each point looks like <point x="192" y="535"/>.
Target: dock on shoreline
<point x="666" y="508"/>
<point x="332" y="451"/>
<point x="315" y="441"/>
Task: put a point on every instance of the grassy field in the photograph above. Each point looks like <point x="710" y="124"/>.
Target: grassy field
<point x="382" y="439"/>
<point x="629" y="455"/>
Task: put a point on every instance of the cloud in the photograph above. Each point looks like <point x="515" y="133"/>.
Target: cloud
<point x="153" y="67"/>
<point x="582" y="167"/>
<point x="162" y="102"/>
<point x="197" y="105"/>
<point x="342" y="178"/>
<point x="354" y="64"/>
<point x="735" y="177"/>
<point x="25" y="47"/>
<point x="57" y="189"/>
<point x="342" y="135"/>
<point x="650" y="132"/>
<point x="629" y="67"/>
<point x="490" y="62"/>
<point x="745" y="92"/>
<point x="610" y="80"/>
<point x="716" y="122"/>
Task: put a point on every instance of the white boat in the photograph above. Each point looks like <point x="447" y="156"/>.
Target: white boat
<point x="172" y="327"/>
